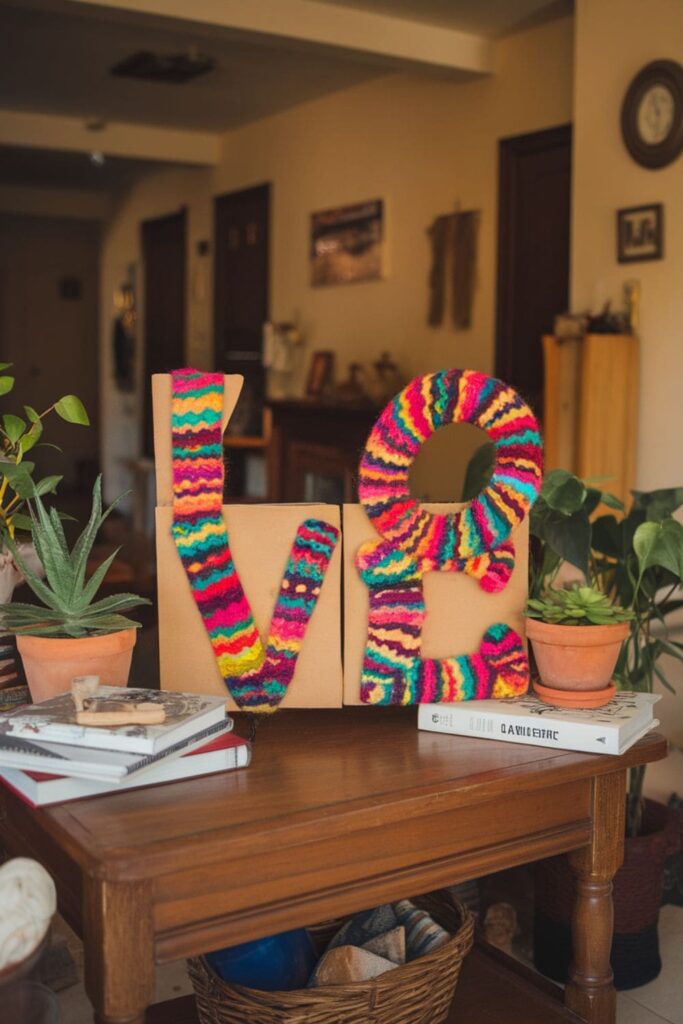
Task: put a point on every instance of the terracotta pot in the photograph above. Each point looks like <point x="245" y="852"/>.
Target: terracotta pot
<point x="576" y="657"/>
<point x="50" y="663"/>
<point x="637" y="893"/>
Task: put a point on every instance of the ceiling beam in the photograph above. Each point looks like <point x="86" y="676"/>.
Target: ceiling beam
<point x="400" y="42"/>
<point x="115" y="138"/>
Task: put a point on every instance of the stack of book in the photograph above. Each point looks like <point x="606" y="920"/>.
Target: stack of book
<point x="46" y="757"/>
<point x="611" y="729"/>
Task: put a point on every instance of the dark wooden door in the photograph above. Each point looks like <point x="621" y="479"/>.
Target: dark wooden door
<point x="533" y="253"/>
<point x="241" y="296"/>
<point x="163" y="250"/>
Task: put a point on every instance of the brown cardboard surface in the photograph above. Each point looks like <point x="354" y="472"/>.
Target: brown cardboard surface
<point x="260" y="539"/>
<point x="458" y="611"/>
<point x="161" y="405"/>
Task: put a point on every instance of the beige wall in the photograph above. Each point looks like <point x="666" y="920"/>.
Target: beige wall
<point x="605" y="179"/>
<point x="419" y="143"/>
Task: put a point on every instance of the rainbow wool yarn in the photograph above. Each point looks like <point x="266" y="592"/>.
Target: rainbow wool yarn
<point x="257" y="678"/>
<point x="413" y="541"/>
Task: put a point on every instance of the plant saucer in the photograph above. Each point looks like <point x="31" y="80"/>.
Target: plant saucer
<point x="575" y="698"/>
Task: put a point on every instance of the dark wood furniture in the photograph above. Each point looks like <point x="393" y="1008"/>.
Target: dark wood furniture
<point x="314" y="437"/>
<point x="340" y="810"/>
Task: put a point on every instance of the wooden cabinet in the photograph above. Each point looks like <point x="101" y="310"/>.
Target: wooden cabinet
<point x="591" y="408"/>
<point x="314" y="449"/>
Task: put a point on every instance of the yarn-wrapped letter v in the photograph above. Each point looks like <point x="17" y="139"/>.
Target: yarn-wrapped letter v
<point x="475" y="540"/>
<point x="256" y="677"/>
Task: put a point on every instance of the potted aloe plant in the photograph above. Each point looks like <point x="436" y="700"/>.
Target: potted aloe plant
<point x="18" y="436"/>
<point x="70" y="633"/>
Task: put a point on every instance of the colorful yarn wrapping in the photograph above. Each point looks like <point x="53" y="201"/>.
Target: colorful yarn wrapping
<point x="474" y="540"/>
<point x="257" y="678"/>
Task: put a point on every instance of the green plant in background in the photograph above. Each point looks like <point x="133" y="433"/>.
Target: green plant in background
<point x="17" y="437"/>
<point x="69" y="606"/>
<point x="576" y="605"/>
<point x="633" y="557"/>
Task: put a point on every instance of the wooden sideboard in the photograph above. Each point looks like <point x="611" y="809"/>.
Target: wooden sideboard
<point x="314" y="448"/>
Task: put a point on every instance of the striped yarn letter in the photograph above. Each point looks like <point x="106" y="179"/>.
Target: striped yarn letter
<point x="257" y="678"/>
<point x="475" y="540"/>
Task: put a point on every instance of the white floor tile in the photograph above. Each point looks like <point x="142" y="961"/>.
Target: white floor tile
<point x="630" y="1012"/>
<point x="664" y="995"/>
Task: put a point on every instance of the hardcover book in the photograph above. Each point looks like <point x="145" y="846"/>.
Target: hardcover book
<point x="611" y="729"/>
<point x="93" y="762"/>
<point x="54" y="720"/>
<point x="223" y="753"/>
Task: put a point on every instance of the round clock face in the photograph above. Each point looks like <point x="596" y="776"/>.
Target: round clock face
<point x="655" y="115"/>
<point x="652" y="114"/>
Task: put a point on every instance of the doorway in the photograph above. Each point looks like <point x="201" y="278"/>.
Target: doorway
<point x="163" y="252"/>
<point x="533" y="253"/>
<point x="241" y="297"/>
<point x="49" y="300"/>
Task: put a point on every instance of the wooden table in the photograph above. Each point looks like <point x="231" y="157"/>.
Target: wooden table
<point x="340" y="810"/>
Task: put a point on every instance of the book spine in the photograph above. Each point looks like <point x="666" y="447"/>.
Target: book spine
<point x="581" y="736"/>
<point x="177" y="749"/>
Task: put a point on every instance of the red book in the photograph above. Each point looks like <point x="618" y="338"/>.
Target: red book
<point x="39" y="789"/>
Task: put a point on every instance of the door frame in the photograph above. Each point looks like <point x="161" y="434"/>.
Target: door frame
<point x="509" y="150"/>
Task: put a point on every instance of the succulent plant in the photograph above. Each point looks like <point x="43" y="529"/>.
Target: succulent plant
<point x="70" y="608"/>
<point x="577" y="606"/>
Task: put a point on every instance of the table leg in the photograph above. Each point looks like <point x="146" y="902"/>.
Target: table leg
<point x="119" y="950"/>
<point x="590" y="991"/>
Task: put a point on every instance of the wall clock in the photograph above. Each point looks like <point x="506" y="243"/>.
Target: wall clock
<point x="652" y="114"/>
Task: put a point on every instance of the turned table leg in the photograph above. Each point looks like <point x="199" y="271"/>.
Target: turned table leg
<point x="590" y="991"/>
<point x="119" y="950"/>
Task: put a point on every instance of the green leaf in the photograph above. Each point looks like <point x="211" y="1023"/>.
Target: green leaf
<point x="20" y="521"/>
<point x="71" y="409"/>
<point x="563" y="491"/>
<point x="659" y="505"/>
<point x="570" y="539"/>
<point x="4" y="366"/>
<point x="660" y="544"/>
<point x="48" y="485"/>
<point x="31" y="414"/>
<point x="13" y="426"/>
<point x="95" y="582"/>
<point x="19" y="477"/>
<point x="479" y="471"/>
<point x="6" y="385"/>
<point x="606" y="536"/>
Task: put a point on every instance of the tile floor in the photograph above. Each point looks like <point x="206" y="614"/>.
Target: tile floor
<point x="660" y="1002"/>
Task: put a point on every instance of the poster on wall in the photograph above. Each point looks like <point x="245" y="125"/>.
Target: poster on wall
<point x="347" y="243"/>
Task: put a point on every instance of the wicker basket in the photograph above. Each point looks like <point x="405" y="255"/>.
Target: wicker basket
<point x="419" y="992"/>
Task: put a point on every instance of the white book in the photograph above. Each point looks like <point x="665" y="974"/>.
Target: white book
<point x="221" y="754"/>
<point x="93" y="762"/>
<point x="611" y="729"/>
<point x="54" y="720"/>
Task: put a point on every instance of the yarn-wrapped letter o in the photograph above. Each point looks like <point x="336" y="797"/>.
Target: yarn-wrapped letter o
<point x="430" y="402"/>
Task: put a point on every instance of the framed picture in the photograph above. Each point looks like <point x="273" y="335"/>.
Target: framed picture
<point x="347" y="244"/>
<point x="319" y="374"/>
<point x="640" y="233"/>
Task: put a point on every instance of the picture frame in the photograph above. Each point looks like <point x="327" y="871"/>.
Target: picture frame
<point x="320" y="373"/>
<point x="640" y="233"/>
<point x="347" y="244"/>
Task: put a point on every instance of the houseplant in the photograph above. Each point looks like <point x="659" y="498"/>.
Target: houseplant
<point x="635" y="558"/>
<point x="18" y="436"/>
<point x="71" y="634"/>
<point x="576" y="633"/>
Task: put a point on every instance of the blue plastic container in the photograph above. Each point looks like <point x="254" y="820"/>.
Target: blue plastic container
<point x="278" y="963"/>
